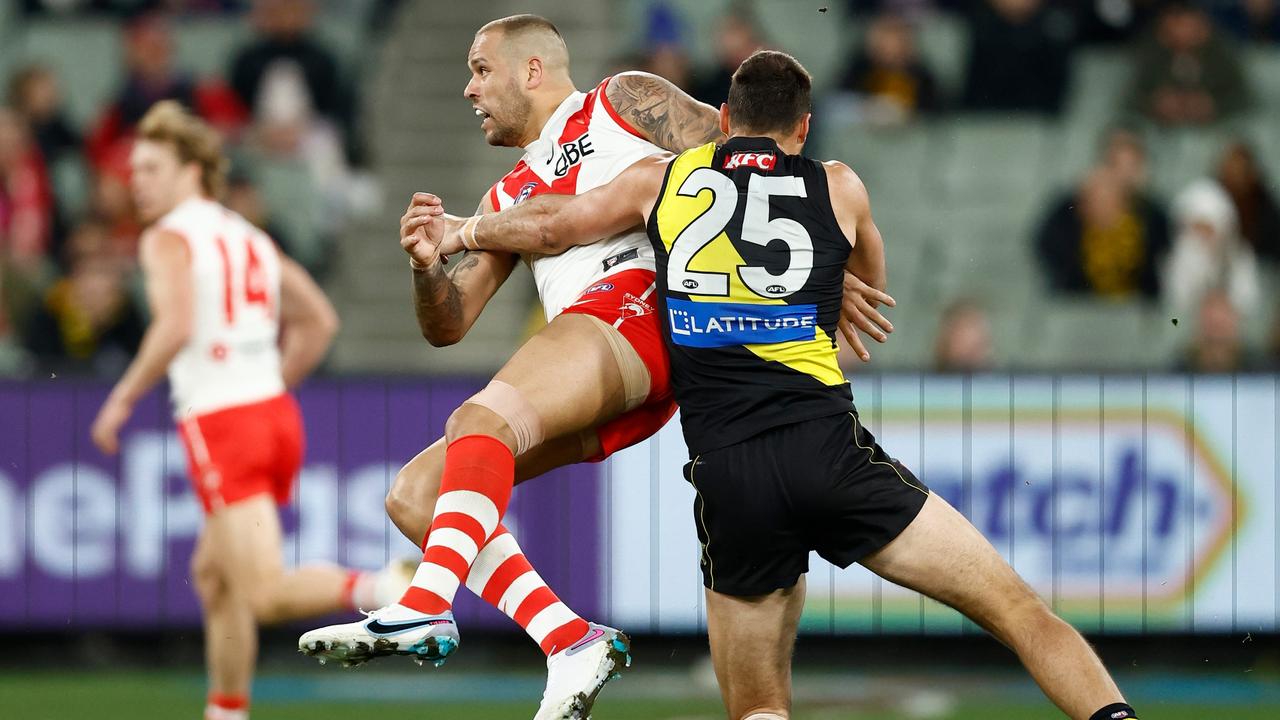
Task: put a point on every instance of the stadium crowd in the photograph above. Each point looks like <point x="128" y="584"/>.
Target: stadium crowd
<point x="70" y="302"/>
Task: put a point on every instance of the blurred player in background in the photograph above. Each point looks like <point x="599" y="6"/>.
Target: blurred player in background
<point x="752" y="243"/>
<point x="235" y="324"/>
<point x="592" y="382"/>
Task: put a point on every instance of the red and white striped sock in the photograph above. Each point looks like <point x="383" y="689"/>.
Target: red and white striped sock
<point x="360" y="590"/>
<point x="479" y="471"/>
<point x="226" y="707"/>
<point x="503" y="576"/>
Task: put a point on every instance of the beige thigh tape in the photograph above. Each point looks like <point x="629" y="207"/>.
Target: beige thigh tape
<point x="635" y="374"/>
<point x="507" y="403"/>
<point x="764" y="716"/>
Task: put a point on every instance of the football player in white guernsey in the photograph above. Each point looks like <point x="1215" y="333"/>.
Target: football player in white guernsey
<point x="593" y="381"/>
<point x="235" y="324"/>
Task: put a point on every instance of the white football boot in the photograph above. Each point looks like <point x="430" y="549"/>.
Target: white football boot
<point x="391" y="630"/>
<point x="577" y="674"/>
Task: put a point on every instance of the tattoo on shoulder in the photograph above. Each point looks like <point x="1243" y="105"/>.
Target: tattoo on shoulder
<point x="670" y="118"/>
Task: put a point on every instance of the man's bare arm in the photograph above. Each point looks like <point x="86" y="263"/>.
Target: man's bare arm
<point x="666" y="115"/>
<point x="447" y="302"/>
<point x="551" y="224"/>
<point x="865" y="274"/>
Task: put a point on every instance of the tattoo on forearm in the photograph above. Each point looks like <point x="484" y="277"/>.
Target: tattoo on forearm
<point x="672" y="120"/>
<point x="437" y="300"/>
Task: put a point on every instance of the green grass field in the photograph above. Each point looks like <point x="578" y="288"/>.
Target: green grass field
<point x="331" y="693"/>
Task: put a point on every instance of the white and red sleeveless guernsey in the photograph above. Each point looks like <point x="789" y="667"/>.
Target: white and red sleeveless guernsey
<point x="584" y="145"/>
<point x="232" y="357"/>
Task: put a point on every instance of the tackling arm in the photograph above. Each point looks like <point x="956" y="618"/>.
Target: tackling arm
<point x="666" y="115"/>
<point x="550" y="224"/>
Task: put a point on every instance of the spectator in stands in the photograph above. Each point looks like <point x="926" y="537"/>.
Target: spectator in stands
<point x="87" y="323"/>
<point x="150" y="76"/>
<point x="293" y="85"/>
<point x="1104" y="238"/>
<point x="1252" y="20"/>
<point x="1113" y="22"/>
<point x="1218" y="345"/>
<point x="1185" y="72"/>
<point x="26" y="198"/>
<point x="1018" y="56"/>
<point x="111" y="204"/>
<point x="35" y="96"/>
<point x="888" y="75"/>
<point x="288" y="58"/>
<point x="243" y="197"/>
<point x="664" y="53"/>
<point x="964" y="339"/>
<point x="1256" y="209"/>
<point x="1209" y="253"/>
<point x="736" y="38"/>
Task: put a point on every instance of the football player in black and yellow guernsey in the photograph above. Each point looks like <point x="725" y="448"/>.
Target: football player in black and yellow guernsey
<point x="752" y="241"/>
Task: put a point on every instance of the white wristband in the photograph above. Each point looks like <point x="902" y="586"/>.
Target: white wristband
<point x="469" y="233"/>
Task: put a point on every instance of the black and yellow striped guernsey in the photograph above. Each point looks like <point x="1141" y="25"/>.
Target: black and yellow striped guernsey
<point x="750" y="264"/>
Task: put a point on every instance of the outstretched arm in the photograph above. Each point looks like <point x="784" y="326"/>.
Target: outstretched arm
<point x="666" y="115"/>
<point x="550" y="224"/>
<point x="447" y="303"/>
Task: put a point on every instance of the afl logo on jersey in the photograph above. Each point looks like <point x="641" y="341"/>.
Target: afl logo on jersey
<point x="599" y="287"/>
<point x="764" y="161"/>
<point x="525" y="191"/>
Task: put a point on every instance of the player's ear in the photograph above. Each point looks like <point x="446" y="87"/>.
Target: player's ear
<point x="802" y="128"/>
<point x="534" y="73"/>
<point x="724" y="119"/>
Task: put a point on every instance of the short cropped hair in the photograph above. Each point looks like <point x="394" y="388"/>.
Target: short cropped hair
<point x="771" y="91"/>
<point x="516" y="24"/>
<point x="195" y="142"/>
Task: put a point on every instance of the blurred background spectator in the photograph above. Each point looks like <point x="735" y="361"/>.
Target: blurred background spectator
<point x="1218" y="345"/>
<point x="1253" y="20"/>
<point x="1111" y="22"/>
<point x="1208" y="252"/>
<point x="26" y="198"/>
<point x="1256" y="210"/>
<point x="737" y="36"/>
<point x="35" y="96"/>
<point x="151" y="76"/>
<point x="1107" y="236"/>
<point x="1018" y="56"/>
<point x="964" y="342"/>
<point x="1185" y="72"/>
<point x="88" y="322"/>
<point x="888" y="76"/>
<point x="664" y="52"/>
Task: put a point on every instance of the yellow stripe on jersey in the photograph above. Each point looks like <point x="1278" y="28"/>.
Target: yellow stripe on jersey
<point x="676" y="212"/>
<point x="816" y="357"/>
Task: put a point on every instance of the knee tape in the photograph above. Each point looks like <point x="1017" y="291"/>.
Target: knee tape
<point x="635" y="374"/>
<point x="507" y="403"/>
<point x="764" y="716"/>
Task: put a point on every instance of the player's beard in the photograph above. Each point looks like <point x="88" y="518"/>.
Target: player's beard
<point x="510" y="119"/>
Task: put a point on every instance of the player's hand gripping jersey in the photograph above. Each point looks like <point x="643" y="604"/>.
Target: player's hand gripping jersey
<point x="584" y="145"/>
<point x="754" y="288"/>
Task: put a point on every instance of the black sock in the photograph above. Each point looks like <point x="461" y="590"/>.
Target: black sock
<point x="1117" y="711"/>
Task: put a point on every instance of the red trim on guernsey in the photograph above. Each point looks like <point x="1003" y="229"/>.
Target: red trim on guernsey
<point x="613" y="113"/>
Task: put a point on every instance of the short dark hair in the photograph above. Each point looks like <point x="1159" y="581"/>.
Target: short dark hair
<point x="771" y="92"/>
<point x="517" y="24"/>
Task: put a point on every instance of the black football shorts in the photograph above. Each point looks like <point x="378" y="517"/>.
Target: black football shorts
<point x="819" y="485"/>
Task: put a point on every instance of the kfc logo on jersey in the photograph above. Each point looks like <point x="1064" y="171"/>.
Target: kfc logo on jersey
<point x="525" y="191"/>
<point x="764" y="161"/>
<point x="571" y="153"/>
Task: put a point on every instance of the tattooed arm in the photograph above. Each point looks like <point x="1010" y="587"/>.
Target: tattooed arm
<point x="666" y="115"/>
<point x="447" y="303"/>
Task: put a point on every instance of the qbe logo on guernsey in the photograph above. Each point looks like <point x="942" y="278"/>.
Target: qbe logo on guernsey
<point x="708" y="324"/>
